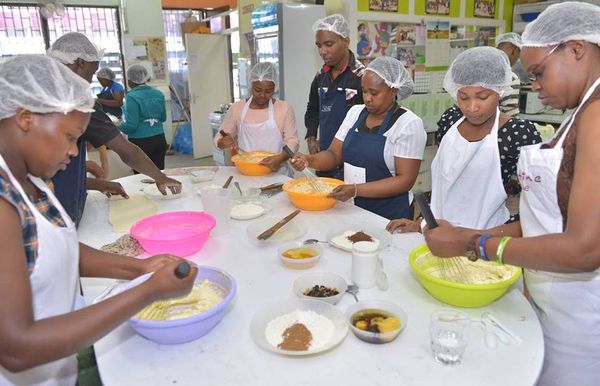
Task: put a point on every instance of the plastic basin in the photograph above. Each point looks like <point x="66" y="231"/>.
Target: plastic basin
<point x="178" y="233"/>
<point x="252" y="168"/>
<point x="311" y="200"/>
<point x="193" y="327"/>
<point x="458" y="294"/>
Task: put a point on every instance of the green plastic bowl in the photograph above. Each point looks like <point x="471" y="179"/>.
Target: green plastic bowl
<point x="458" y="294"/>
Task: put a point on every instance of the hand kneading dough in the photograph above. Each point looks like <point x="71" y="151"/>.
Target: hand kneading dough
<point x="123" y="213"/>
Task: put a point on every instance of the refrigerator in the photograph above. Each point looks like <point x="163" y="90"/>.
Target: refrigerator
<point x="283" y="35"/>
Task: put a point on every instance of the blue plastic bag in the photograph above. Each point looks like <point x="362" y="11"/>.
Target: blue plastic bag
<point x="182" y="143"/>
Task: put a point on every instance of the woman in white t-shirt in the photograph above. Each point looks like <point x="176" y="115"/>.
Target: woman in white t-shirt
<point x="379" y="143"/>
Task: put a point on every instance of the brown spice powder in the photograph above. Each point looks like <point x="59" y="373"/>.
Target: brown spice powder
<point x="360" y="236"/>
<point x="296" y="337"/>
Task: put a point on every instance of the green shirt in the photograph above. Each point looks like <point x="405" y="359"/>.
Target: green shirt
<point x="144" y="112"/>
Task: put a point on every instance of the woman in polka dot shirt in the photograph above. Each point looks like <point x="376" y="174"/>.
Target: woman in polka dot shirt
<point x="478" y="145"/>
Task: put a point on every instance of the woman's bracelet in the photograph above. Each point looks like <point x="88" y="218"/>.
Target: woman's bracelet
<point x="500" y="250"/>
<point x="482" y="241"/>
<point x="355" y="191"/>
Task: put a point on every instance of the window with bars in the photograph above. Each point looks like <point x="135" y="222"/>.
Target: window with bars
<point x="20" y="31"/>
<point x="24" y="31"/>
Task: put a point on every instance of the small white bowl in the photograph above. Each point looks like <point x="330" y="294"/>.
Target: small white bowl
<point x="331" y="280"/>
<point x="202" y="175"/>
<point x="374" y="337"/>
<point x="306" y="263"/>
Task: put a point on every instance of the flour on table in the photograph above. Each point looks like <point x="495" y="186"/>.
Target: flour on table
<point x="321" y="327"/>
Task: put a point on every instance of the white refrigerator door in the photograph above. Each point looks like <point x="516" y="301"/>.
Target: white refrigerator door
<point x="209" y="70"/>
<point x="299" y="58"/>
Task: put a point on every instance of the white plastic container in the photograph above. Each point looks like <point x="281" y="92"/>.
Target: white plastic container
<point x="364" y="264"/>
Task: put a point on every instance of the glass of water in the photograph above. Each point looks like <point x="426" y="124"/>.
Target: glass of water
<point x="449" y="332"/>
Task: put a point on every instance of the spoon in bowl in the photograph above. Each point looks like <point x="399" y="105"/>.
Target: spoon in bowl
<point x="237" y="185"/>
<point x="314" y="241"/>
<point x="352" y="290"/>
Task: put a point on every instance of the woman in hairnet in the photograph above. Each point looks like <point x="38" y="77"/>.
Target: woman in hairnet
<point x="379" y="143"/>
<point x="556" y="240"/>
<point x="112" y="94"/>
<point x="44" y="109"/>
<point x="478" y="145"/>
<point x="261" y="122"/>
<point x="144" y="115"/>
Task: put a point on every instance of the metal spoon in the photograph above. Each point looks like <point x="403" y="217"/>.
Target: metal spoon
<point x="353" y="290"/>
<point x="237" y="185"/>
<point x="314" y="241"/>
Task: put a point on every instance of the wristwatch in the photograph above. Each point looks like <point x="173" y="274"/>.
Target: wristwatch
<point x="472" y="247"/>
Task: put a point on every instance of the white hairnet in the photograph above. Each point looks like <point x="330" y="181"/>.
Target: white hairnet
<point x="509" y="37"/>
<point x="264" y="72"/>
<point x="138" y="74"/>
<point x="105" y="73"/>
<point x="41" y="84"/>
<point x="333" y="23"/>
<point x="74" y="45"/>
<point x="393" y="73"/>
<point x="486" y="67"/>
<point x="562" y="22"/>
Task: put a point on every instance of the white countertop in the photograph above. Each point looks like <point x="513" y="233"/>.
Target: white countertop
<point x="228" y="356"/>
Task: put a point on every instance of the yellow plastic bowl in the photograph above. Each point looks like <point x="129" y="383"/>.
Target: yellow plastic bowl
<point x="458" y="294"/>
<point x="252" y="167"/>
<point x="312" y="200"/>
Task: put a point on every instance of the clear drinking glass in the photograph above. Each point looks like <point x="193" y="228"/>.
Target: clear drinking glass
<point x="449" y="333"/>
<point x="216" y="202"/>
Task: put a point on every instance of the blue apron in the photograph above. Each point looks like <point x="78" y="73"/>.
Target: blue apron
<point x="70" y="185"/>
<point x="106" y="93"/>
<point x="365" y="150"/>
<point x="332" y="111"/>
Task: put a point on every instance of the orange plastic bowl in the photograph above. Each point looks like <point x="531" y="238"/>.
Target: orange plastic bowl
<point x="311" y="200"/>
<point x="247" y="163"/>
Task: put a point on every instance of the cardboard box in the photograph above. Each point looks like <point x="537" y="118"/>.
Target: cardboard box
<point x="194" y="28"/>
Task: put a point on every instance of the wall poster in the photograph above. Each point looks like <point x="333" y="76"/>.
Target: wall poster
<point x="437" y="7"/>
<point x="484" y="8"/>
<point x="383" y="5"/>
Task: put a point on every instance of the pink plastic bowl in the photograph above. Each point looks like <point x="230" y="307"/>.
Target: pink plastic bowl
<point x="177" y="233"/>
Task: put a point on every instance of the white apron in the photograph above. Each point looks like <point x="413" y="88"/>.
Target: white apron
<point x="568" y="305"/>
<point x="54" y="285"/>
<point x="261" y="136"/>
<point x="467" y="188"/>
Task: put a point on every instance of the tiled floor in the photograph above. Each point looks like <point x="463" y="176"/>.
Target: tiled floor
<point x="183" y="160"/>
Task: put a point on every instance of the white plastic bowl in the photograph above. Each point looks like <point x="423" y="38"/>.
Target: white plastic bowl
<point x="373" y="337"/>
<point x="306" y="263"/>
<point x="202" y="176"/>
<point x="326" y="279"/>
